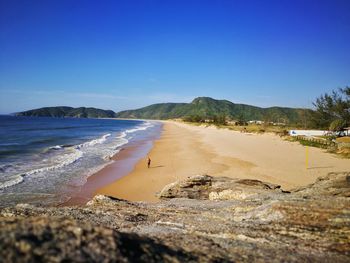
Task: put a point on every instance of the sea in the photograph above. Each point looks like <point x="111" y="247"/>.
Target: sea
<point x="45" y="160"/>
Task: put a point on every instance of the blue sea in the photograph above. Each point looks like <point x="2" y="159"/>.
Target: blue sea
<point x="46" y="160"/>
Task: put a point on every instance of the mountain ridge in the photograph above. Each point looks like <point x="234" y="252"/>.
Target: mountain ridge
<point x="65" y="111"/>
<point x="200" y="106"/>
<point x="206" y="107"/>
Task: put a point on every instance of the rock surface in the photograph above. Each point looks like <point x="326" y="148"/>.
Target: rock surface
<point x="205" y="219"/>
<point x="218" y="188"/>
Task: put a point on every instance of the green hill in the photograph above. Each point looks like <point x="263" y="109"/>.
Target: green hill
<point x="202" y="106"/>
<point x="63" y="111"/>
<point x="206" y="107"/>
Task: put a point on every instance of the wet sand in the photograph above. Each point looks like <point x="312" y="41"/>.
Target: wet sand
<point x="185" y="150"/>
<point x="123" y="163"/>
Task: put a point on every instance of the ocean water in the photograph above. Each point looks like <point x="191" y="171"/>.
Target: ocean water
<point x="46" y="160"/>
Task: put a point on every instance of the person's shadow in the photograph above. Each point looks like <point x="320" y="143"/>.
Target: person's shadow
<point x="158" y="166"/>
<point x="320" y="167"/>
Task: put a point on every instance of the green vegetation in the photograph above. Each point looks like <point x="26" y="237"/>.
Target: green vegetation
<point x="338" y="125"/>
<point x="333" y="110"/>
<point x="61" y="112"/>
<point x="205" y="108"/>
<point x="313" y="142"/>
<point x="214" y="119"/>
<point x="332" y="113"/>
<point x="254" y="128"/>
<point x="338" y="146"/>
<point x="241" y="120"/>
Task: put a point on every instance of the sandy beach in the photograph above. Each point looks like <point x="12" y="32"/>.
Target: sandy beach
<point x="186" y="150"/>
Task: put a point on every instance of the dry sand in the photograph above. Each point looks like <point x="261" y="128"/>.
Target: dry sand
<point x="185" y="150"/>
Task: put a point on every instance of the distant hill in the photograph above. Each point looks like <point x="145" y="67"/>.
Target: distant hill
<point x="205" y="106"/>
<point x="202" y="106"/>
<point x="63" y="111"/>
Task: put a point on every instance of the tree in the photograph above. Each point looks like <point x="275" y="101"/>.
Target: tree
<point x="332" y="107"/>
<point x="194" y="118"/>
<point x="241" y="120"/>
<point x="222" y="119"/>
<point x="219" y="119"/>
<point x="267" y="119"/>
<point x="306" y="119"/>
<point x="337" y="125"/>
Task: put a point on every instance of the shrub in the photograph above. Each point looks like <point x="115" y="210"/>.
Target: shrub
<point x="337" y="125"/>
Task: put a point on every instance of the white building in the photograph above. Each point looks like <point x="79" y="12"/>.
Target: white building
<point x="256" y="122"/>
<point x="307" y="133"/>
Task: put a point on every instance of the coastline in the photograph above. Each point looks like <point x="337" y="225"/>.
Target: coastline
<point x="122" y="164"/>
<point x="166" y="167"/>
<point x="184" y="150"/>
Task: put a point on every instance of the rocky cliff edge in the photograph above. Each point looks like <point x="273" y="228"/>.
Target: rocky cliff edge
<point x="201" y="219"/>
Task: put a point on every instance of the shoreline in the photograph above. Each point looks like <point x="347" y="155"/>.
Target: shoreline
<point x="142" y="183"/>
<point x="122" y="164"/>
<point x="184" y="150"/>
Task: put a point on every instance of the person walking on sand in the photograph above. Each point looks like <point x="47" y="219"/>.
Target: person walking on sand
<point x="149" y="162"/>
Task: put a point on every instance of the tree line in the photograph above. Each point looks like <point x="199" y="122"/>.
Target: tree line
<point x="219" y="119"/>
<point x="332" y="112"/>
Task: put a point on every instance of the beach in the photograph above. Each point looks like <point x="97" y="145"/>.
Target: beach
<point x="121" y="164"/>
<point x="185" y="150"/>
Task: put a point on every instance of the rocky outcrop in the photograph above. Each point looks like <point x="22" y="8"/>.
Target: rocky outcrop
<point x="43" y="239"/>
<point x="202" y="219"/>
<point x="218" y="188"/>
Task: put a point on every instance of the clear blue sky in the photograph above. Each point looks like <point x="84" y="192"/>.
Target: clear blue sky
<point x="126" y="54"/>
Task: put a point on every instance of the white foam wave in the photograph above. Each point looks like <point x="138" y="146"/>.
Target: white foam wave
<point x="110" y="155"/>
<point x="116" y="148"/>
<point x="122" y="135"/>
<point x="16" y="180"/>
<point x="56" y="147"/>
<point x="142" y="127"/>
<point x="124" y="140"/>
<point x="63" y="161"/>
<point x="67" y="159"/>
<point x="93" y="142"/>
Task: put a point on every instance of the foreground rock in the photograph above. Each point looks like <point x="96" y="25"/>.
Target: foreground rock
<point x="218" y="188"/>
<point x="202" y="219"/>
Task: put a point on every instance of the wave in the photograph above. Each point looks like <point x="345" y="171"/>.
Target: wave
<point x="5" y="167"/>
<point x="19" y="178"/>
<point x="85" y="144"/>
<point x="69" y="159"/>
<point x="59" y="128"/>
<point x="122" y="135"/>
<point x="124" y="140"/>
<point x="59" y="147"/>
<point x="142" y="127"/>
<point x="56" y="147"/>
<point x="9" y="144"/>
<point x="93" y="142"/>
<point x="116" y="149"/>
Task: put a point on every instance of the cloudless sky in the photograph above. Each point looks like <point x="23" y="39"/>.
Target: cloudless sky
<point x="127" y="54"/>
